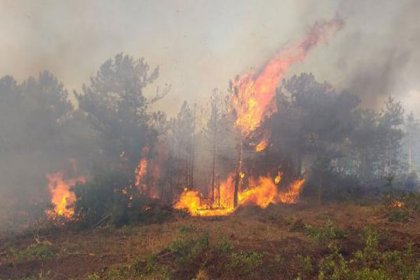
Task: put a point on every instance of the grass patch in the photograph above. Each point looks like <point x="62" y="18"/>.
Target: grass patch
<point x="325" y="233"/>
<point x="367" y="263"/>
<point x="36" y="251"/>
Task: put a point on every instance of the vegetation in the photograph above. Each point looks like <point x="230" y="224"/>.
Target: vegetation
<point x="35" y="251"/>
<point x="136" y="161"/>
<point x="335" y="241"/>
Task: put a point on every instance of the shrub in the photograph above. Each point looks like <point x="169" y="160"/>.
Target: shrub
<point x="325" y="233"/>
<point x="399" y="215"/>
<point x="245" y="262"/>
<point x="187" y="248"/>
<point x="368" y="263"/>
<point x="110" y="197"/>
<point x="36" y="251"/>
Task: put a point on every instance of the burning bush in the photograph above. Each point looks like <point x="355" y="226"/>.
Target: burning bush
<point x="111" y="197"/>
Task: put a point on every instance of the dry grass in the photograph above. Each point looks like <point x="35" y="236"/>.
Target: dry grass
<point x="278" y="233"/>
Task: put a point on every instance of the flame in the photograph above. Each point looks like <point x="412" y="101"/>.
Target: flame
<point x="397" y="204"/>
<point x="189" y="200"/>
<point x="62" y="197"/>
<point x="255" y="92"/>
<point x="292" y="194"/>
<point x="277" y="179"/>
<point x="261" y="146"/>
<point x="141" y="171"/>
<point x="261" y="192"/>
<point x="253" y="102"/>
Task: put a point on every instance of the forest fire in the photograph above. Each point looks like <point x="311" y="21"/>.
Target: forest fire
<point x="141" y="171"/>
<point x="261" y="146"/>
<point x="254" y="92"/>
<point x="210" y="140"/>
<point x="252" y="102"/>
<point x="261" y="192"/>
<point x="62" y="196"/>
<point x="397" y="204"/>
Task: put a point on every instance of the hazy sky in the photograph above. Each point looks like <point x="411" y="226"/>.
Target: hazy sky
<point x="200" y="45"/>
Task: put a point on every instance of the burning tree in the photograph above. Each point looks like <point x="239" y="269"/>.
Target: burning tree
<point x="253" y="101"/>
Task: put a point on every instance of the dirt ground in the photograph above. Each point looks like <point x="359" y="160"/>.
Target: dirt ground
<point x="273" y="231"/>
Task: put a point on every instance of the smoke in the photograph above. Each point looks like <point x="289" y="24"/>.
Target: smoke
<point x="379" y="52"/>
<point x="200" y="45"/>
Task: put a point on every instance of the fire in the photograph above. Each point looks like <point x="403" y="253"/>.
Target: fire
<point x="141" y="171"/>
<point x="62" y="196"/>
<point x="397" y="204"/>
<point x="277" y="179"/>
<point x="261" y="146"/>
<point x="261" y="192"/>
<point x="252" y="102"/>
<point x="189" y="200"/>
<point x="255" y="92"/>
<point x="291" y="195"/>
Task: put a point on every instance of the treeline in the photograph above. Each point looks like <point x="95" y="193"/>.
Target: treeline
<point x="110" y="126"/>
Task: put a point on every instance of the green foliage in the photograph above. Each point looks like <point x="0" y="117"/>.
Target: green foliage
<point x="224" y="245"/>
<point x="245" y="262"/>
<point x="327" y="232"/>
<point x="102" y="198"/>
<point x="411" y="201"/>
<point x="188" y="249"/>
<point x="191" y="254"/>
<point x="186" y="229"/>
<point x="399" y="215"/>
<point x="306" y="267"/>
<point x="93" y="276"/>
<point x="117" y="109"/>
<point x="368" y="263"/>
<point x="36" y="251"/>
<point x="400" y="206"/>
<point x="296" y="225"/>
<point x="110" y="198"/>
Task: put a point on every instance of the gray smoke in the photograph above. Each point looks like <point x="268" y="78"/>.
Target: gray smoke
<point x="200" y="45"/>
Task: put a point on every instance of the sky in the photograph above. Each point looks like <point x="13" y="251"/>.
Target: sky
<point x="200" y="45"/>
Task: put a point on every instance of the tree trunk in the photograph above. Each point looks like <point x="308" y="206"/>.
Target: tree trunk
<point x="238" y="175"/>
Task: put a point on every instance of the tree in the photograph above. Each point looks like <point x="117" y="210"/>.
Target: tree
<point x="116" y="107"/>
<point x="213" y="132"/>
<point x="33" y="118"/>
<point x="183" y="133"/>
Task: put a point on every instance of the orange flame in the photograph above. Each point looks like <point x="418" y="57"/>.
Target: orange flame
<point x="189" y="200"/>
<point x="253" y="102"/>
<point x="262" y="192"/>
<point x="292" y="194"/>
<point x="397" y="204"/>
<point x="141" y="171"/>
<point x="261" y="146"/>
<point x="62" y="197"/>
<point x="255" y="92"/>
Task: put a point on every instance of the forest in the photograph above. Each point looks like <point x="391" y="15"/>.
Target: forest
<point x="107" y="158"/>
<point x="279" y="174"/>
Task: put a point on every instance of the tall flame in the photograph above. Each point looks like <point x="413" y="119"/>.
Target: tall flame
<point x="141" y="171"/>
<point x="254" y="92"/>
<point x="62" y="196"/>
<point x="252" y="102"/>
